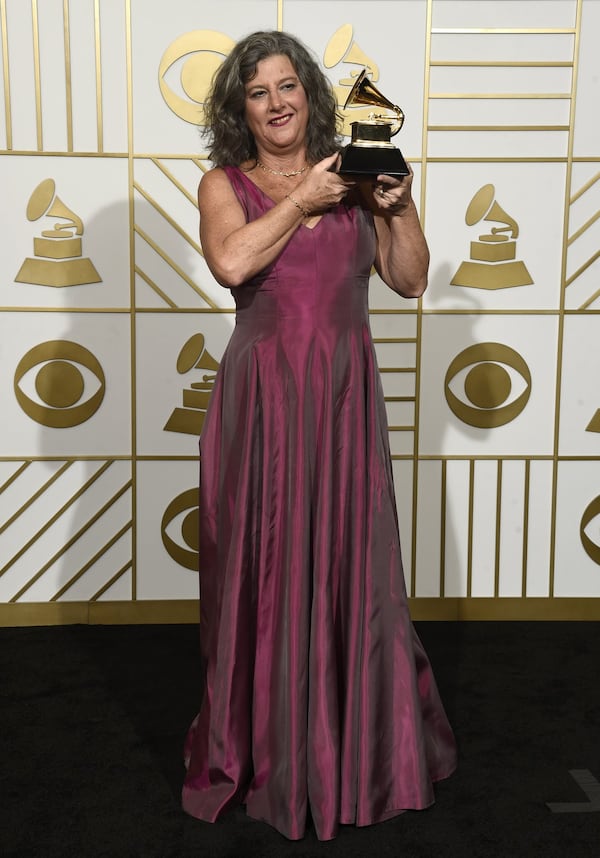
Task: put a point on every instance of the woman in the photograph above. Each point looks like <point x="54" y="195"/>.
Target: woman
<point x="319" y="696"/>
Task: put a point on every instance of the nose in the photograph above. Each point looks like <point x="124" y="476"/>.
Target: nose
<point x="275" y="100"/>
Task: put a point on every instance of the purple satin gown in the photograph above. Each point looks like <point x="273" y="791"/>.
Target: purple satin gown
<point x="319" y="696"/>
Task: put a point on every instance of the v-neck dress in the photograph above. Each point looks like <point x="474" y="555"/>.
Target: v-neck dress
<point x="319" y="697"/>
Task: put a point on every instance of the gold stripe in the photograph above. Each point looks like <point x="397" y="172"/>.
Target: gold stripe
<point x="502" y="63"/>
<point x="68" y="93"/>
<point x="210" y="310"/>
<point x="98" y="53"/>
<point x="154" y="287"/>
<point x="443" y="498"/>
<point x="111" y="581"/>
<point x="56" y="515"/>
<point x="168" y="218"/>
<point x="583" y="228"/>
<point x="86" y="567"/>
<point x="15" y="476"/>
<point x="401" y="428"/>
<point x="132" y="298"/>
<point x="70" y="542"/>
<point x="397" y="369"/>
<point x="590" y="300"/>
<point x="470" y="530"/>
<point x="561" y="318"/>
<point x="502" y="30"/>
<point x="280" y="15"/>
<point x="526" y="526"/>
<point x="199" y="162"/>
<point x="584" y="188"/>
<point x="6" y="75"/>
<point x="400" y="398"/>
<point x="181" y="188"/>
<point x="492" y="96"/>
<point x="172" y="264"/>
<point x="183" y="611"/>
<point x="580" y="270"/>
<point x="36" y="72"/>
<point x="394" y="339"/>
<point x="57" y="475"/>
<point x="498" y="530"/>
<point x="500" y="128"/>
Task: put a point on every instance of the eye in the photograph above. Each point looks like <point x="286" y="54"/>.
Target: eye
<point x="487" y="374"/>
<point x="186" y="70"/>
<point x="66" y="371"/>
<point x="590" y="528"/>
<point x="181" y="524"/>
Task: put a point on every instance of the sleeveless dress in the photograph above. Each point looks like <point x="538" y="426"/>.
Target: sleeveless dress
<point x="319" y="697"/>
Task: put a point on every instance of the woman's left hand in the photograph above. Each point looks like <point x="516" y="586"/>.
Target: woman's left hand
<point x="392" y="196"/>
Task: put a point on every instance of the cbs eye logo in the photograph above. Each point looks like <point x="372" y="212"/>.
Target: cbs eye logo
<point x="591" y="548"/>
<point x="181" y="518"/>
<point x="487" y="374"/>
<point x="193" y="58"/>
<point x="66" y="372"/>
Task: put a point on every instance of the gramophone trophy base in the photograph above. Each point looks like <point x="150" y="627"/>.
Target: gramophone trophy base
<point x="368" y="162"/>
<point x="500" y="275"/>
<point x="66" y="272"/>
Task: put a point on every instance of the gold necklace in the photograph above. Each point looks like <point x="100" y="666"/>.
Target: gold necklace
<point x="287" y="175"/>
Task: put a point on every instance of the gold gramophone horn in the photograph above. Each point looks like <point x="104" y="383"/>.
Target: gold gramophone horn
<point x="364" y="91"/>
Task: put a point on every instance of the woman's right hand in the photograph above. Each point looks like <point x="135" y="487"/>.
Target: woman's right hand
<point x="323" y="187"/>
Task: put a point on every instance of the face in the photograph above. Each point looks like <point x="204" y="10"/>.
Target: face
<point x="276" y="106"/>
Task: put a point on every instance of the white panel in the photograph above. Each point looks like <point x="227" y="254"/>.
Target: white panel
<point x="580" y="396"/>
<point x="21" y="75"/>
<point x="511" y="529"/>
<point x="539" y="528"/>
<point x="498" y="47"/>
<point x="374" y="30"/>
<point x="403" y="483"/>
<point x="105" y="432"/>
<point x="159" y="576"/>
<point x="113" y="62"/>
<point x="530" y="195"/>
<point x="62" y="511"/>
<point x="504" y="13"/>
<point x="83" y="77"/>
<point x="156" y="127"/>
<point x="576" y="573"/>
<point x="161" y="388"/>
<point x="587" y="127"/>
<point x="457" y="528"/>
<point x="483" y="563"/>
<point x="531" y="431"/>
<point x="429" y="512"/>
<point x="52" y="75"/>
<point x="94" y="189"/>
<point x="167" y="237"/>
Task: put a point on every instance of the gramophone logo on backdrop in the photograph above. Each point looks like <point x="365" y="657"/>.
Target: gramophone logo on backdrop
<point x="493" y="263"/>
<point x="57" y="254"/>
<point x="342" y="48"/>
<point x="190" y="418"/>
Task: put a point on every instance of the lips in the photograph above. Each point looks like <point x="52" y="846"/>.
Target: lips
<point x="280" y="120"/>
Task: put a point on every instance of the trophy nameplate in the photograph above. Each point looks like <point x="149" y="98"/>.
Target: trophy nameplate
<point x="371" y="152"/>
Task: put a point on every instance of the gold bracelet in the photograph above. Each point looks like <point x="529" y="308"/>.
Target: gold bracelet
<point x="304" y="211"/>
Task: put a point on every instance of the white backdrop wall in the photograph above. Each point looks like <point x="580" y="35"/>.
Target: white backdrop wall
<point x="112" y="326"/>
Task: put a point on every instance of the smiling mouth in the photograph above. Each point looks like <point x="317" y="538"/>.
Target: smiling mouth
<point x="280" y="120"/>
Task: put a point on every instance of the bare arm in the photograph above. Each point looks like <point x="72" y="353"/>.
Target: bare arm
<point x="235" y="250"/>
<point x="402" y="259"/>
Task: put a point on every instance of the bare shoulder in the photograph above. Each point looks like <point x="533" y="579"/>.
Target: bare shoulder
<point x="213" y="184"/>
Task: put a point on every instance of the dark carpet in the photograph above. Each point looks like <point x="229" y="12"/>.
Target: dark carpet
<point x="93" y="720"/>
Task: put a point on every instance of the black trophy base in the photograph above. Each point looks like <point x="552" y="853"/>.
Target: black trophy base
<point x="368" y="162"/>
